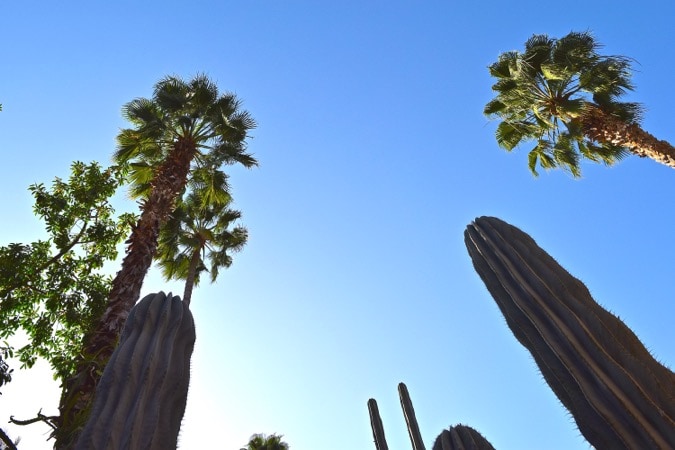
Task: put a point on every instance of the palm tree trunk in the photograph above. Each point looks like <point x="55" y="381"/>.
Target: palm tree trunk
<point x="191" y="275"/>
<point x="100" y="343"/>
<point x="603" y="127"/>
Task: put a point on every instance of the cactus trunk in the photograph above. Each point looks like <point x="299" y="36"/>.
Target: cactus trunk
<point x="410" y="419"/>
<point x="619" y="395"/>
<point x="140" y="401"/>
<point x="376" y="424"/>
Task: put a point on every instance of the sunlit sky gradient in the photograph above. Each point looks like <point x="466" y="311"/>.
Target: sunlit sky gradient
<point x="374" y="157"/>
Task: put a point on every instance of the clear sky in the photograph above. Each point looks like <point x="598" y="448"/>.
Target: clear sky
<point x="374" y="157"/>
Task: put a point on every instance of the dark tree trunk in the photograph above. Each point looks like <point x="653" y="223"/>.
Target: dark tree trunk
<point x="191" y="275"/>
<point x="99" y="345"/>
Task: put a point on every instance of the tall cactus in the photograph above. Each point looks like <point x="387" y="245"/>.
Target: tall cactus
<point x="461" y="437"/>
<point x="141" y="398"/>
<point x="410" y="418"/>
<point x="376" y="425"/>
<point x="619" y="395"/>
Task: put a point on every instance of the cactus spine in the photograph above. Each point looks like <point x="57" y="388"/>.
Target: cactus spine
<point x="461" y="437"/>
<point x="141" y="398"/>
<point x="619" y="395"/>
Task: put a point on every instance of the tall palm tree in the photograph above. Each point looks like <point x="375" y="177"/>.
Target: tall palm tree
<point x="565" y="96"/>
<point x="197" y="232"/>
<point x="262" y="442"/>
<point x="185" y="125"/>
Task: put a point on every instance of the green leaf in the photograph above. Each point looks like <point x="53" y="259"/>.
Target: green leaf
<point x="494" y="107"/>
<point x="508" y="135"/>
<point x="532" y="158"/>
<point x="554" y="72"/>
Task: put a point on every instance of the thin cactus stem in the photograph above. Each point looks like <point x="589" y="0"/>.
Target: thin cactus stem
<point x="141" y="398"/>
<point x="461" y="437"/>
<point x="619" y="395"/>
<point x="376" y="424"/>
<point x="410" y="419"/>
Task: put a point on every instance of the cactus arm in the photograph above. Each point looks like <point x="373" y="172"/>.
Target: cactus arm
<point x="461" y="437"/>
<point x="376" y="425"/>
<point x="142" y="395"/>
<point x="410" y="419"/>
<point x="619" y="395"/>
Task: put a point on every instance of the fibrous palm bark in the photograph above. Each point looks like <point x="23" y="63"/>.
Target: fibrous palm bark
<point x="619" y="395"/>
<point x="141" y="398"/>
<point x="600" y="126"/>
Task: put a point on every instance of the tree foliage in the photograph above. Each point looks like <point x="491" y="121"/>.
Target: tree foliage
<point x="545" y="93"/>
<point x="5" y="371"/>
<point x="53" y="289"/>
<point x="200" y="231"/>
<point x="262" y="442"/>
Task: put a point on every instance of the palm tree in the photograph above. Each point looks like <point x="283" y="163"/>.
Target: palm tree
<point x="262" y="442"/>
<point x="185" y="125"/>
<point x="196" y="232"/>
<point x="565" y="96"/>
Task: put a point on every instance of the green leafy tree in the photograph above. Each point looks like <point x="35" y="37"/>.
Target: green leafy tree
<point x="5" y="371"/>
<point x="54" y="289"/>
<point x="563" y="95"/>
<point x="262" y="442"/>
<point x="197" y="233"/>
<point x="185" y="125"/>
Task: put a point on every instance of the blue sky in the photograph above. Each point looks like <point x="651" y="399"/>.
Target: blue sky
<point x="374" y="157"/>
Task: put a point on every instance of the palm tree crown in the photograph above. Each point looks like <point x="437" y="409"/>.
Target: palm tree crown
<point x="197" y="231"/>
<point x="262" y="442"/>
<point x="565" y="96"/>
<point x="191" y="113"/>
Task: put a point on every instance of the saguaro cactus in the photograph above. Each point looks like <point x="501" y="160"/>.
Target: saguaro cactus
<point x="461" y="437"/>
<point x="619" y="395"/>
<point x="141" y="398"/>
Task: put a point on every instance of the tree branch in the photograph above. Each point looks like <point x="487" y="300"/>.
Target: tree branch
<point x="8" y="442"/>
<point x="49" y="420"/>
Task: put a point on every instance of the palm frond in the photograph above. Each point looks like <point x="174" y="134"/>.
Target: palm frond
<point x="505" y="65"/>
<point x="509" y="135"/>
<point x="171" y="94"/>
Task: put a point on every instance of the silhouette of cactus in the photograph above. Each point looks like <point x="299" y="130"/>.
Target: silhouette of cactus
<point x="376" y="424"/>
<point x="619" y="395"/>
<point x="461" y="437"/>
<point x="410" y="419"/>
<point x="141" y="398"/>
